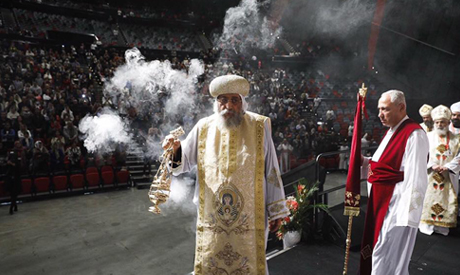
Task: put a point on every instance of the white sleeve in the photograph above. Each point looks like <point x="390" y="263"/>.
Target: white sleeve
<point x="454" y="164"/>
<point x="274" y="190"/>
<point x="413" y="188"/>
<point x="189" y="152"/>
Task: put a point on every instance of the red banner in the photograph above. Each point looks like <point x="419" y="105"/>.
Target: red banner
<point x="353" y="188"/>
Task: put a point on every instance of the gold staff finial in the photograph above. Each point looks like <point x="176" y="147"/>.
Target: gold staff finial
<point x="363" y="91"/>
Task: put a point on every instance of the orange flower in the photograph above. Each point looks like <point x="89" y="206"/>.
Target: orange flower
<point x="300" y="187"/>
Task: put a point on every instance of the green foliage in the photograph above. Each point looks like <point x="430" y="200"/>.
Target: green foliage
<point x="302" y="209"/>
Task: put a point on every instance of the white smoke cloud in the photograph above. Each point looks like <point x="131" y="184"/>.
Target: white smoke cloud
<point x="196" y="68"/>
<point x="343" y="17"/>
<point x="180" y="197"/>
<point x="141" y="84"/>
<point x="103" y="132"/>
<point x="245" y="28"/>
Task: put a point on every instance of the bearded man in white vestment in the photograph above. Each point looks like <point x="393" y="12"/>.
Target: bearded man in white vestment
<point x="395" y="240"/>
<point x="425" y="113"/>
<point x="440" y="207"/>
<point x="239" y="192"/>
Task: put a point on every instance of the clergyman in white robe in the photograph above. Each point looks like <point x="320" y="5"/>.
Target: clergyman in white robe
<point x="393" y="250"/>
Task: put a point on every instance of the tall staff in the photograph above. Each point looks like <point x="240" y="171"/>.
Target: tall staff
<point x="353" y="187"/>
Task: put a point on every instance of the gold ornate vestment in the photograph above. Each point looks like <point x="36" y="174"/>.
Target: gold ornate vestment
<point x="440" y="207"/>
<point x="231" y="214"/>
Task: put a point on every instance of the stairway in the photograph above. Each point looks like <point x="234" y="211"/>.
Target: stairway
<point x="136" y="169"/>
<point x="287" y="46"/>
<point x="203" y="41"/>
<point x="121" y="39"/>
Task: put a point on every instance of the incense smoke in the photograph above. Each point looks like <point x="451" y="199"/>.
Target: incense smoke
<point x="104" y="132"/>
<point x="146" y="89"/>
<point x="245" y="28"/>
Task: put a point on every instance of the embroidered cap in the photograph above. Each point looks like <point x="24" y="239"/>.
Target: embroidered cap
<point x="425" y="110"/>
<point x="229" y="84"/>
<point x="455" y="108"/>
<point x="441" y="112"/>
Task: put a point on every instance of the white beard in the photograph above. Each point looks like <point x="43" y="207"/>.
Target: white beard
<point x="231" y="122"/>
<point x="441" y="132"/>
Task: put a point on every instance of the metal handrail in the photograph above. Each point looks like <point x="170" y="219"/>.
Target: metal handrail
<point x="335" y="153"/>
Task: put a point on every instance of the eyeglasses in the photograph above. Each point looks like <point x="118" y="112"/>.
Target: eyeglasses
<point x="233" y="100"/>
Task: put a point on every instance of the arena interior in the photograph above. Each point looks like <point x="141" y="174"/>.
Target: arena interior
<point x="89" y="90"/>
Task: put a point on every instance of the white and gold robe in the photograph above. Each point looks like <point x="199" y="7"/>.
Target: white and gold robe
<point x="238" y="190"/>
<point x="440" y="207"/>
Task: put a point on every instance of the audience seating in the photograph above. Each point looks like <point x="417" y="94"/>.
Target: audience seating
<point x="92" y="177"/>
<point x="122" y="177"/>
<point x="60" y="183"/>
<point x="26" y="185"/>
<point x="77" y="181"/>
<point x="41" y="184"/>
<point x="107" y="175"/>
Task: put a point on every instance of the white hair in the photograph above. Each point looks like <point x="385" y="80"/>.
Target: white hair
<point x="396" y="97"/>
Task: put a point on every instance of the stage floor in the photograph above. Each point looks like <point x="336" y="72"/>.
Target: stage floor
<point x="433" y="255"/>
<point x="113" y="233"/>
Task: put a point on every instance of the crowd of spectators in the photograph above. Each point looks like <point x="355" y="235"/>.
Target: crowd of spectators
<point x="45" y="91"/>
<point x="161" y="38"/>
<point x="115" y="32"/>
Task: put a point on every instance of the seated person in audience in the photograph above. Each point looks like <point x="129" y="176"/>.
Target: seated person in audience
<point x="39" y="124"/>
<point x="13" y="113"/>
<point x="27" y="144"/>
<point x="74" y="154"/>
<point x="70" y="133"/>
<point x="54" y="124"/>
<point x="40" y="159"/>
<point x="57" y="153"/>
<point x="67" y="112"/>
<point x="22" y="130"/>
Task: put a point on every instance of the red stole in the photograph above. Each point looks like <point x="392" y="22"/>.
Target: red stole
<point x="383" y="175"/>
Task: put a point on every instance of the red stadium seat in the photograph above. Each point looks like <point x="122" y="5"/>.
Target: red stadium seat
<point x="107" y="177"/>
<point x="90" y="170"/>
<point x="122" y="177"/>
<point x="77" y="181"/>
<point x="60" y="183"/>
<point x="26" y="186"/>
<point x="106" y="168"/>
<point x="42" y="184"/>
<point x="92" y="179"/>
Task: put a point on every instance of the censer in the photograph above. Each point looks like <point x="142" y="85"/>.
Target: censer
<point x="161" y="185"/>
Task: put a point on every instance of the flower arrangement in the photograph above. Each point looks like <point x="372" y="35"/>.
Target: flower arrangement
<point x="301" y="208"/>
